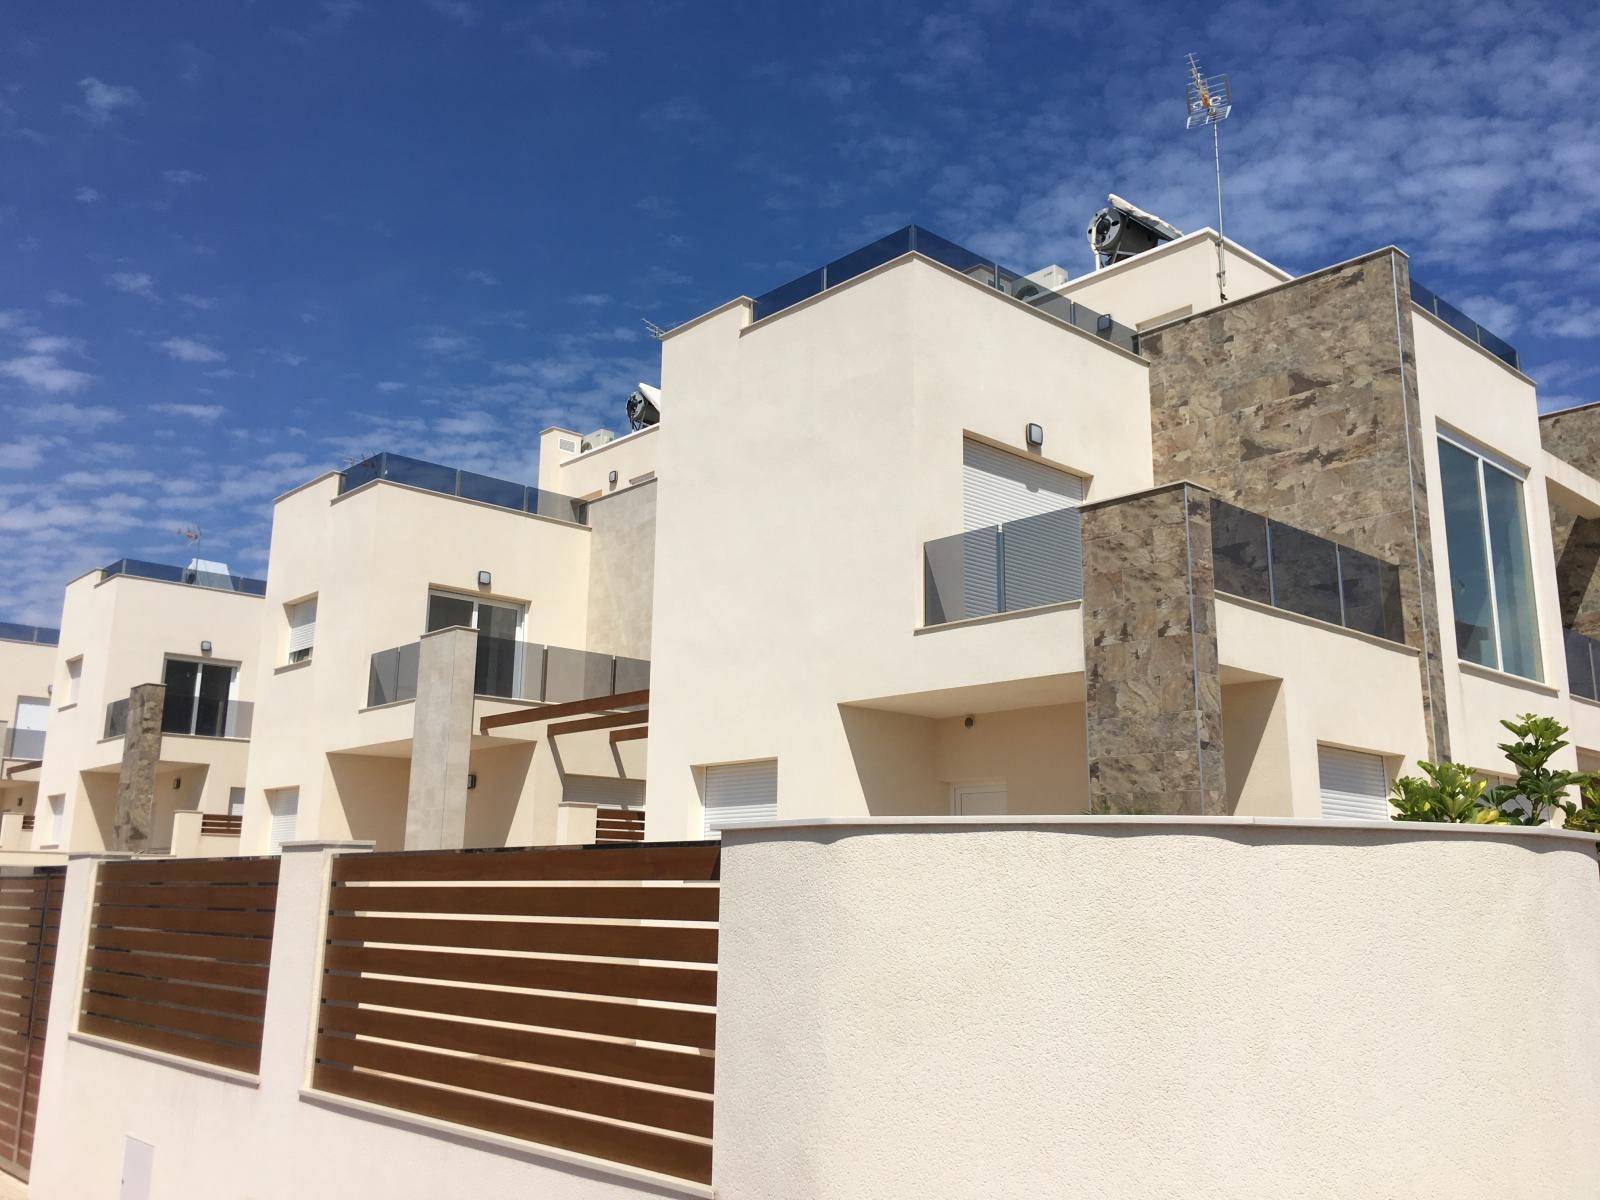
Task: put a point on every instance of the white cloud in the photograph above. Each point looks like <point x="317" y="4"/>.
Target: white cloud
<point x="389" y="386"/>
<point x="22" y="454"/>
<point x="62" y="299"/>
<point x="191" y="350"/>
<point x="205" y="303"/>
<point x="102" y="102"/>
<point x="115" y="477"/>
<point x="206" y="413"/>
<point x="287" y="357"/>
<point x="446" y="344"/>
<point x="480" y="277"/>
<point x="76" y="417"/>
<point x="460" y="11"/>
<point x="182" y="177"/>
<point x="43" y="344"/>
<point x="87" y="195"/>
<point x="133" y="283"/>
<point x="45" y="373"/>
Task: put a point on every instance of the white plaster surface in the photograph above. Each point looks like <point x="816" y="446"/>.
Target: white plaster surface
<point x="1073" y="1008"/>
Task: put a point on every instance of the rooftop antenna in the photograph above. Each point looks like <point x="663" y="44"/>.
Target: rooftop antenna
<point x="1209" y="101"/>
<point x="655" y="330"/>
<point x="191" y="537"/>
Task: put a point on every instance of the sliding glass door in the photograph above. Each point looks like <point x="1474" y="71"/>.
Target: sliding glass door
<point x="198" y="696"/>
<point x="498" y="625"/>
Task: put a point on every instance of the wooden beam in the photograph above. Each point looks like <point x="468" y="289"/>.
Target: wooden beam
<point x="629" y="735"/>
<point x="549" y="712"/>
<point x="609" y="721"/>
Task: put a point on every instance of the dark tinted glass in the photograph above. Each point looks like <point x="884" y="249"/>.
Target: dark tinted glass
<point x="419" y="474"/>
<point x="858" y="262"/>
<point x="1239" y="552"/>
<point x="1371" y="594"/>
<point x="1580" y="665"/>
<point x="446" y="611"/>
<point x="785" y="295"/>
<point x="1305" y="573"/>
<point x="954" y="256"/>
<point x="490" y="490"/>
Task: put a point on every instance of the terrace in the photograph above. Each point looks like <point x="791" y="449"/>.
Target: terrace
<point x="464" y="485"/>
<point x="38" y="635"/>
<point x="1459" y="321"/>
<point x="191" y="576"/>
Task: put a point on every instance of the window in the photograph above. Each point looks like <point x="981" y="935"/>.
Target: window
<point x="1491" y="579"/>
<point x="302" y="629"/>
<point x="1355" y="786"/>
<point x="58" y="818"/>
<point x="498" y="627"/>
<point x="26" y="739"/>
<point x="236" y="802"/>
<point x="199" y="698"/>
<point x="740" y="794"/>
<point x="284" y="804"/>
<point x="74" y="679"/>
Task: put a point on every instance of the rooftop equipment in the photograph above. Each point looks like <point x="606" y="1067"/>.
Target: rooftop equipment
<point x="1120" y="230"/>
<point x="644" y="406"/>
<point x="1208" y="101"/>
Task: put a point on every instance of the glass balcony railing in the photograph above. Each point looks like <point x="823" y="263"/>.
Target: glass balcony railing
<point x="1583" y="664"/>
<point x="190" y="717"/>
<point x="450" y="481"/>
<point x="513" y="670"/>
<point x="117" y="718"/>
<point x="1004" y="568"/>
<point x="24" y="744"/>
<point x="1463" y="324"/>
<point x="188" y="575"/>
<point x="1277" y="564"/>
<point x="930" y="245"/>
<point x="38" y="634"/>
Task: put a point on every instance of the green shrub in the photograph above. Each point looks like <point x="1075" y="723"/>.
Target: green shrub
<point x="1448" y="794"/>
<point x="1538" y="790"/>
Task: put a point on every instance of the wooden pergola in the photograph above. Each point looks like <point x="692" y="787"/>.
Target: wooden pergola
<point x="636" y="706"/>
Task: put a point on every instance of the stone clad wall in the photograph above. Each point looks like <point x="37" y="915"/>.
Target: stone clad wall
<point x="1153" y="699"/>
<point x="1574" y="437"/>
<point x="1300" y="404"/>
<point x="132" y="826"/>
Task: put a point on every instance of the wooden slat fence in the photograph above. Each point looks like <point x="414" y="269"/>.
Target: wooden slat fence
<point x="511" y="991"/>
<point x="220" y="825"/>
<point x="30" y="927"/>
<point x="177" y="956"/>
<point x="619" y="824"/>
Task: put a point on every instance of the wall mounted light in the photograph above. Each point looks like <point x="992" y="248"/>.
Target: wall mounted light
<point x="205" y="647"/>
<point x="472" y="781"/>
<point x="612" y="479"/>
<point x="1035" y="434"/>
<point x="177" y="782"/>
<point x="484" y="578"/>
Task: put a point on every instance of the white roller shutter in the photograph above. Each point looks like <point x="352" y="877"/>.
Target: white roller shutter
<point x="1355" y="786"/>
<point x="285" y="805"/>
<point x="603" y="789"/>
<point x="302" y="629"/>
<point x="998" y="486"/>
<point x="1036" y="505"/>
<point x="741" y="794"/>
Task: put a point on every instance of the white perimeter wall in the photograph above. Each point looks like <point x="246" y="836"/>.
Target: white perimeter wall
<point x="1155" y="1008"/>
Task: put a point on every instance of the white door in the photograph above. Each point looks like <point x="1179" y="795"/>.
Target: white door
<point x="27" y="732"/>
<point x="1355" y="786"/>
<point x="979" y="799"/>
<point x="138" y="1165"/>
<point x="285" y="806"/>
<point x="740" y="794"/>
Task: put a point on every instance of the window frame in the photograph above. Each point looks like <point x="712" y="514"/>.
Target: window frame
<point x="74" y="668"/>
<point x="305" y="653"/>
<point x="1487" y="460"/>
<point x="232" y="701"/>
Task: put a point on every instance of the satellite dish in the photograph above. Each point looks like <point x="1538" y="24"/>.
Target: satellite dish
<point x="644" y="406"/>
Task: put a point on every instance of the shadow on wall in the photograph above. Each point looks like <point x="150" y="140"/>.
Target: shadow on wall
<point x="1255" y="749"/>
<point x="503" y="778"/>
<point x="371" y="792"/>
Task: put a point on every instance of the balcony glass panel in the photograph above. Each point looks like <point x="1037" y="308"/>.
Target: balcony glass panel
<point x="25" y="743"/>
<point x="1581" y="679"/>
<point x="489" y="490"/>
<point x="1371" y="591"/>
<point x="392" y="675"/>
<point x="167" y="573"/>
<point x="576" y="675"/>
<point x="553" y="504"/>
<point x="414" y="472"/>
<point x="958" y="258"/>
<point x="961" y="576"/>
<point x="117" y="718"/>
<point x="29" y="633"/>
<point x="1239" y="552"/>
<point x="787" y="295"/>
<point x="633" y="674"/>
<point x="1305" y="573"/>
<point x="507" y="668"/>
<point x="859" y="262"/>
<point x="1042" y="559"/>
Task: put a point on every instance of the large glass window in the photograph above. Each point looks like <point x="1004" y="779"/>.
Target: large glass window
<point x="498" y="662"/>
<point x="1491" y="575"/>
<point x="198" y="698"/>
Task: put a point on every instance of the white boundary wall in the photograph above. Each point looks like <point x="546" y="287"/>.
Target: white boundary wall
<point x="218" y="1133"/>
<point x="1157" y="1007"/>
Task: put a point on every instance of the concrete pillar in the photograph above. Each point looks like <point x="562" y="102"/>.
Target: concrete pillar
<point x="1154" y="700"/>
<point x="132" y="825"/>
<point x="441" y="741"/>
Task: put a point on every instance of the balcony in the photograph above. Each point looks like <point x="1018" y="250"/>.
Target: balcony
<point x="1003" y="568"/>
<point x="24" y="744"/>
<point x="511" y="670"/>
<point x="1463" y="324"/>
<point x="1284" y="567"/>
<point x="451" y="481"/>
<point x="134" y="568"/>
<point x="914" y="238"/>
<point x="36" y="634"/>
<point x="190" y="717"/>
<point x="1583" y="661"/>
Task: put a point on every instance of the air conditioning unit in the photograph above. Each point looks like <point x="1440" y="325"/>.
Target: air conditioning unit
<point x="597" y="439"/>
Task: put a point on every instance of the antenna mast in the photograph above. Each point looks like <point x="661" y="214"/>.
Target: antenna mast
<point x="1208" y="102"/>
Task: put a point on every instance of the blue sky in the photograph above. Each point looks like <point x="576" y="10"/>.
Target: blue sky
<point x="242" y="242"/>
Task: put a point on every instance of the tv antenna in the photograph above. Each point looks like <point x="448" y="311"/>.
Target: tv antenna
<point x="655" y="330"/>
<point x="191" y="537"/>
<point x="1209" y="101"/>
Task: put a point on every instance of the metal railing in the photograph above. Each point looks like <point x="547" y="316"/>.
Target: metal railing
<point x="452" y="481"/>
<point x="25" y="744"/>
<point x="1288" y="568"/>
<point x="1583" y="664"/>
<point x="913" y="238"/>
<point x="190" y="717"/>
<point x="1463" y="324"/>
<point x="37" y="634"/>
<point x="506" y="669"/>
<point x="1004" y="568"/>
<point x="137" y="569"/>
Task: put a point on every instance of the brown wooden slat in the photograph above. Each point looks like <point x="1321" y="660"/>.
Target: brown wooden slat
<point x="629" y="735"/>
<point x="220" y="825"/>
<point x="678" y="944"/>
<point x="681" y="985"/>
<point x="197" y="945"/>
<point x="696" y="861"/>
<point x="180" y="1020"/>
<point x="620" y="836"/>
<point x="601" y="1098"/>
<point x="609" y="721"/>
<point x="183" y="896"/>
<point x="166" y="991"/>
<point x="549" y="712"/>
<point x="187" y="970"/>
<point x="221" y="1054"/>
<point x="185" y="920"/>
<point x="177" y="871"/>
<point x="668" y="1068"/>
<point x="661" y="904"/>
<point x="681" y="1158"/>
<point x="645" y="1022"/>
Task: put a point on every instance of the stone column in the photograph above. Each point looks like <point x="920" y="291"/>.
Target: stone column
<point x="441" y="741"/>
<point x="1154" y="701"/>
<point x="136" y="785"/>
